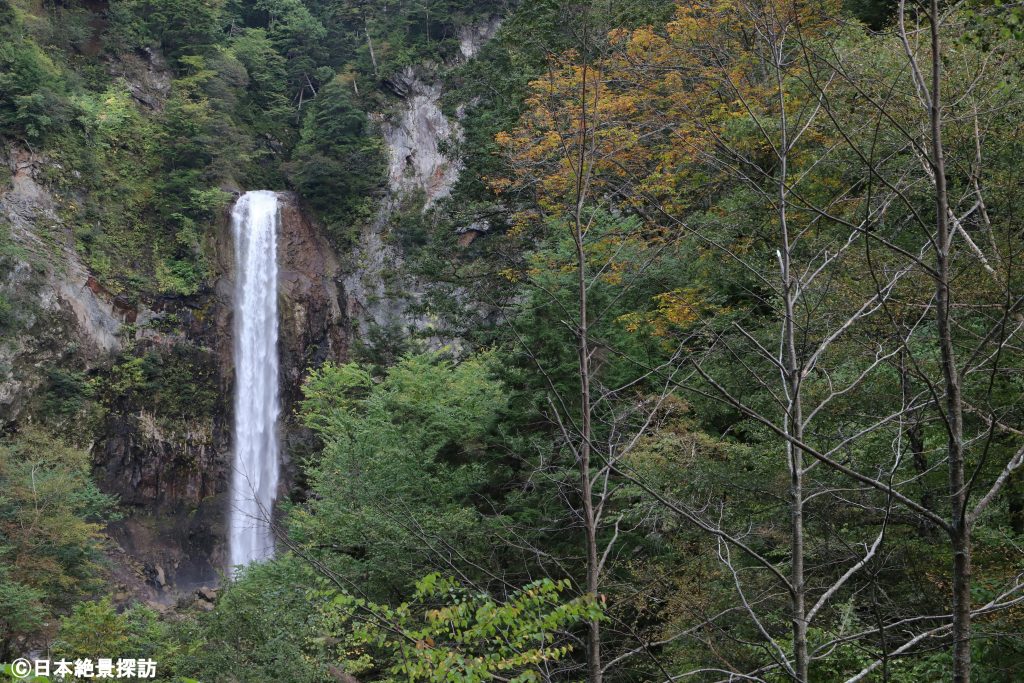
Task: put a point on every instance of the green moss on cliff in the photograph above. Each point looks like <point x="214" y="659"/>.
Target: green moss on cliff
<point x="177" y="382"/>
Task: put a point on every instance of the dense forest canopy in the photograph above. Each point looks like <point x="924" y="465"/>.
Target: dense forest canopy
<point x="731" y="380"/>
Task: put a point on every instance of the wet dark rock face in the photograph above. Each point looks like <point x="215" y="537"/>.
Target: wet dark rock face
<point x="162" y="441"/>
<point x="313" y="327"/>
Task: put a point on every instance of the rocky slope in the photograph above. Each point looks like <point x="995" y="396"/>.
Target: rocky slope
<point x="53" y="299"/>
<point x="381" y="294"/>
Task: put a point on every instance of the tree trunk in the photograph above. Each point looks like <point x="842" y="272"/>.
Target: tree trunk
<point x="800" y="655"/>
<point x="961" y="533"/>
<point x="589" y="518"/>
<point x="1015" y="501"/>
<point x="793" y="380"/>
<point x="962" y="605"/>
<point x="369" y="44"/>
<point x="794" y="425"/>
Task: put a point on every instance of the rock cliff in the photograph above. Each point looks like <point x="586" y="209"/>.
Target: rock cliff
<point x="382" y="297"/>
<point x="163" y="442"/>
<point x="175" y="472"/>
<point x="57" y="314"/>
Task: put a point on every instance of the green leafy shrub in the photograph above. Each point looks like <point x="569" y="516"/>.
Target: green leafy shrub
<point x="33" y="98"/>
<point x="448" y="633"/>
<point x="176" y="383"/>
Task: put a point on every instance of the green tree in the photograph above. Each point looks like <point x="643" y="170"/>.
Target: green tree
<point x="50" y="514"/>
<point x="267" y="88"/>
<point x="33" y="98"/>
<point x="298" y="36"/>
<point x="403" y="460"/>
<point x="185" y="26"/>
<point x="337" y="164"/>
<point x="21" y="613"/>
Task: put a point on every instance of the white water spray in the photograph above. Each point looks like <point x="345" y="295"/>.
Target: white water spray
<point x="254" y="221"/>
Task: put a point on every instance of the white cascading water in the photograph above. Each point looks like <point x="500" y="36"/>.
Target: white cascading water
<point x="255" y="468"/>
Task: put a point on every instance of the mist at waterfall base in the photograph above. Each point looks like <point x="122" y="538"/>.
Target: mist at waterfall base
<point x="255" y="466"/>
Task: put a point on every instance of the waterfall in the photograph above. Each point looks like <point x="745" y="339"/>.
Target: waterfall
<point x="254" y="473"/>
